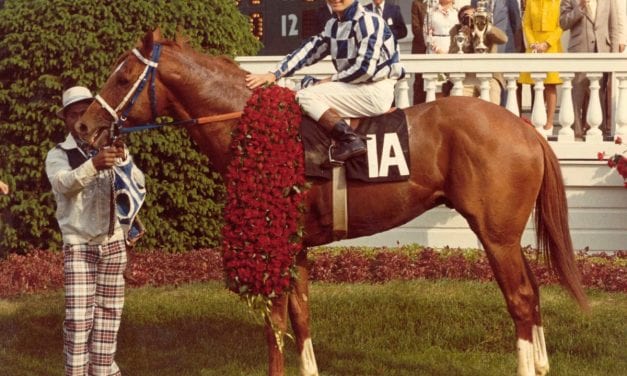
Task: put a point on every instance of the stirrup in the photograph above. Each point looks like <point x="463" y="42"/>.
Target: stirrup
<point x="329" y="163"/>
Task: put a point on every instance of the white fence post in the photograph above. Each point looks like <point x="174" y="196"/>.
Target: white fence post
<point x="538" y="112"/>
<point x="594" y="116"/>
<point x="430" y="85"/>
<point x="621" y="107"/>
<point x="567" y="113"/>
<point x="458" y="83"/>
<point x="484" y="78"/>
<point x="401" y="94"/>
<point x="512" y="100"/>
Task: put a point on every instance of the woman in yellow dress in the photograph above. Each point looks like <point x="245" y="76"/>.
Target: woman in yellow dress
<point x="543" y="34"/>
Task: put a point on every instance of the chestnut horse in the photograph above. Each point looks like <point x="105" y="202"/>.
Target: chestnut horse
<point x="466" y="153"/>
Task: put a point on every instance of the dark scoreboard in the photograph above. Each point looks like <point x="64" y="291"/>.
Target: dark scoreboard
<point x="281" y="25"/>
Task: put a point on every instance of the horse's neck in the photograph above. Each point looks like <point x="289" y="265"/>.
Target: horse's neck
<point x="203" y="85"/>
<point x="209" y="87"/>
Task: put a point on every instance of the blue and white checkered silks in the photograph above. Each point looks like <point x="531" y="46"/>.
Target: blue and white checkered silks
<point x="361" y="46"/>
<point x="130" y="193"/>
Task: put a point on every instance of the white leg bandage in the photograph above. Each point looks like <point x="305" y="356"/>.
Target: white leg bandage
<point x="525" y="358"/>
<point x="541" y="359"/>
<point x="308" y="366"/>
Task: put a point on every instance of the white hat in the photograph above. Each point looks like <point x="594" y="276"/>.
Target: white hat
<point x="73" y="95"/>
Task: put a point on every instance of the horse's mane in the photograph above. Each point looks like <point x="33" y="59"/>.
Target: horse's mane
<point x="207" y="61"/>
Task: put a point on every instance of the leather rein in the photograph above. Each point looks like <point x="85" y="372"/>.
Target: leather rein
<point x="118" y="126"/>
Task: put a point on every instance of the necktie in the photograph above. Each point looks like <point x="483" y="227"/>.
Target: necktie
<point x="379" y="10"/>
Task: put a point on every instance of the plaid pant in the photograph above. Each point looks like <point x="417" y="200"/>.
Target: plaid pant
<point x="94" y="297"/>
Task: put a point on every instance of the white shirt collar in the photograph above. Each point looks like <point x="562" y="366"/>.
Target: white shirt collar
<point x="69" y="143"/>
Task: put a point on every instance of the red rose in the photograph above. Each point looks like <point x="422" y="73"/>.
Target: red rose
<point x="262" y="213"/>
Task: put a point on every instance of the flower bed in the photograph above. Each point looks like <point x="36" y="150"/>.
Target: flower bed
<point x="40" y="271"/>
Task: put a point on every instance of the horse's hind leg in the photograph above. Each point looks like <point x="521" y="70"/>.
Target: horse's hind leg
<point x="540" y="356"/>
<point x="523" y="303"/>
<point x="299" y="316"/>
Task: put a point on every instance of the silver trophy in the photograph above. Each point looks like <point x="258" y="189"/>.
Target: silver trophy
<point x="460" y="40"/>
<point x="481" y="21"/>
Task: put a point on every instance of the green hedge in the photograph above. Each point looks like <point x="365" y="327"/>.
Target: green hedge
<point x="50" y="45"/>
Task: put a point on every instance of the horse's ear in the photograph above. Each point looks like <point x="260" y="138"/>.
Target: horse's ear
<point x="181" y="38"/>
<point x="156" y="34"/>
<point x="145" y="44"/>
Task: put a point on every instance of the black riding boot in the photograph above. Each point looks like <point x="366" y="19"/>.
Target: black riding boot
<point x="348" y="143"/>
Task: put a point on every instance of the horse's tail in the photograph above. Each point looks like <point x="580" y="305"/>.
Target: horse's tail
<point x="552" y="231"/>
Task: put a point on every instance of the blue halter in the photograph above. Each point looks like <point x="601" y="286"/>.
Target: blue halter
<point x="131" y="97"/>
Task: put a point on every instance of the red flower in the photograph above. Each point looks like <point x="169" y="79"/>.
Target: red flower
<point x="617" y="160"/>
<point x="262" y="214"/>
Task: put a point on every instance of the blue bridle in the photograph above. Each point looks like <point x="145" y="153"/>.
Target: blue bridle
<point x="131" y="97"/>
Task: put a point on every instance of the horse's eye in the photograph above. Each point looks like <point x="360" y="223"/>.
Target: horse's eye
<point x="122" y="79"/>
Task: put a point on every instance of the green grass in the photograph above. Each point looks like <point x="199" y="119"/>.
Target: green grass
<point x="397" y="328"/>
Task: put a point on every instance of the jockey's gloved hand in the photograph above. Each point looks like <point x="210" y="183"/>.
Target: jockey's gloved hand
<point x="308" y="81"/>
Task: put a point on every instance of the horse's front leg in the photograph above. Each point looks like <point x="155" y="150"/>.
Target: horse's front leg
<point x="278" y="315"/>
<point x="299" y="316"/>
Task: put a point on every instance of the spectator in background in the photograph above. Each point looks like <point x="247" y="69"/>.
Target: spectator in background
<point x="593" y="26"/>
<point x="543" y="33"/>
<point x="492" y="38"/>
<point x="418" y="46"/>
<point x="506" y="15"/>
<point x="4" y="188"/>
<point x="621" y="5"/>
<point x="392" y="15"/>
<point x="439" y="22"/>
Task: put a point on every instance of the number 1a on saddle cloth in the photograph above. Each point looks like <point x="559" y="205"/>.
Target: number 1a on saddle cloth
<point x="387" y="158"/>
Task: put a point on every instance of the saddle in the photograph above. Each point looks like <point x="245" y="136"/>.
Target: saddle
<point x="387" y="158"/>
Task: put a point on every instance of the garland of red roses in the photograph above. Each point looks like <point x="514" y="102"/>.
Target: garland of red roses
<point x="265" y="181"/>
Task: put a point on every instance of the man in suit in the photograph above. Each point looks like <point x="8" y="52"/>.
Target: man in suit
<point x="621" y="6"/>
<point x="593" y="26"/>
<point x="392" y="15"/>
<point x="418" y="45"/>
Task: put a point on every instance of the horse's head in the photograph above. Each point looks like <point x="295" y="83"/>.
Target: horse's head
<point x="132" y="94"/>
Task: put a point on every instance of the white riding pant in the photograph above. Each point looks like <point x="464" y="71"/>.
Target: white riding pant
<point x="349" y="100"/>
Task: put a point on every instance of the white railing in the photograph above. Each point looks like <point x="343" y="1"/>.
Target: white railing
<point x="456" y="66"/>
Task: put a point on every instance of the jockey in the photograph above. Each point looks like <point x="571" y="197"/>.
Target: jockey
<point x="366" y="57"/>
